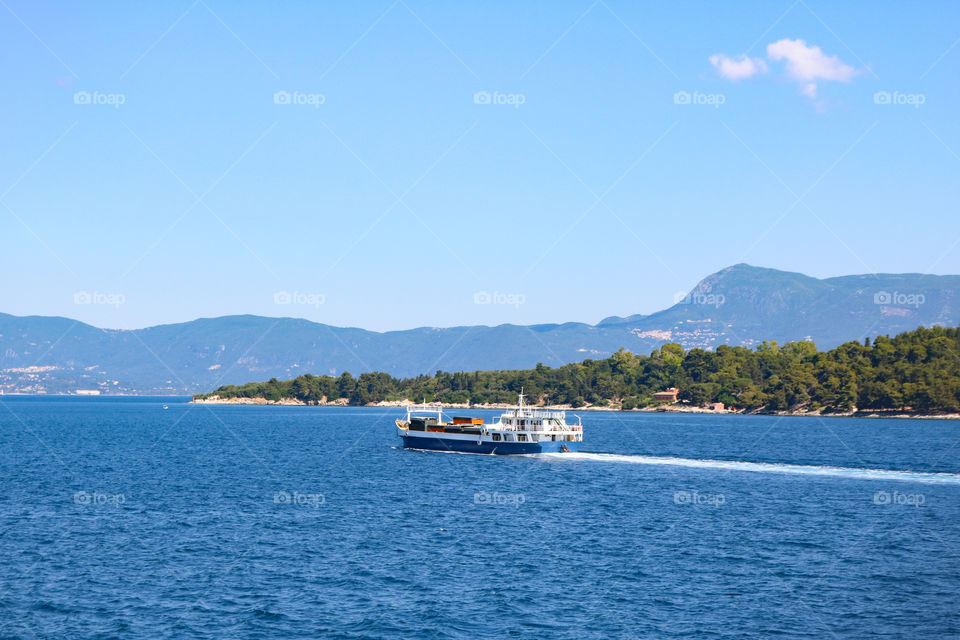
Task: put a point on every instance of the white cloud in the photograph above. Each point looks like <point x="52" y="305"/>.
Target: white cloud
<point x="808" y="63"/>
<point x="739" y="68"/>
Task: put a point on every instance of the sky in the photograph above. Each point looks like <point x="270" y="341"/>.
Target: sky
<point x="396" y="164"/>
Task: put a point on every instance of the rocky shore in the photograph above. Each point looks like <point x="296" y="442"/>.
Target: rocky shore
<point x="663" y="408"/>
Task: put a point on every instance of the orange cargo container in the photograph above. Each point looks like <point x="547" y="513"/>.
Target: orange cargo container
<point x="468" y="421"/>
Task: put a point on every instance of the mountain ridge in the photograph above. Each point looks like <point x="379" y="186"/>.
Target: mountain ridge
<point x="739" y="305"/>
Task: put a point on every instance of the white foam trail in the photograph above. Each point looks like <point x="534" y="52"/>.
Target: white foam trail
<point x="768" y="467"/>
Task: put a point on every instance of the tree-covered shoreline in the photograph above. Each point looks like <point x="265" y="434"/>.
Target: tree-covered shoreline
<point x="916" y="371"/>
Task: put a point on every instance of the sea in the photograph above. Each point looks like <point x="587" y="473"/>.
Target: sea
<point x="156" y="518"/>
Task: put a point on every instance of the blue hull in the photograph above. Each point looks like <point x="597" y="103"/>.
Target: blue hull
<point x="498" y="448"/>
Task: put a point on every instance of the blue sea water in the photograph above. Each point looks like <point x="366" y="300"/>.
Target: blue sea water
<point x="122" y="519"/>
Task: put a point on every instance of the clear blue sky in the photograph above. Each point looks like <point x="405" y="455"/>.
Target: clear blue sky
<point x="399" y="198"/>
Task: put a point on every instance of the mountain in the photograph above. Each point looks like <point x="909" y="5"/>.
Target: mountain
<point x="743" y="304"/>
<point x="740" y="305"/>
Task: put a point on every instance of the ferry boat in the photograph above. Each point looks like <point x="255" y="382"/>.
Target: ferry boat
<point x="519" y="430"/>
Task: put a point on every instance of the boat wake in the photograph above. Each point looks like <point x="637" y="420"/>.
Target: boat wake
<point x="766" y="467"/>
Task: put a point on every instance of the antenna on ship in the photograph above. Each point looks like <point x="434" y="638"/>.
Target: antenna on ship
<point x="521" y="397"/>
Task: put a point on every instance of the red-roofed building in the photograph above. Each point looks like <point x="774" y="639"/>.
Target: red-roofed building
<point x="670" y="395"/>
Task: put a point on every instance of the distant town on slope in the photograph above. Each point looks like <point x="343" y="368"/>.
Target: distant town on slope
<point x="915" y="372"/>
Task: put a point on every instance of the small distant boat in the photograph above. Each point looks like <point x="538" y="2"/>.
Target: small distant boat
<point x="520" y="430"/>
<point x="165" y="407"/>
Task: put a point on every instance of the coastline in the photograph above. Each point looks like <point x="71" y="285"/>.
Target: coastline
<point x="668" y="408"/>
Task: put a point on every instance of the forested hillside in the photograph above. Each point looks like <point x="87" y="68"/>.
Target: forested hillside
<point x="916" y="371"/>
